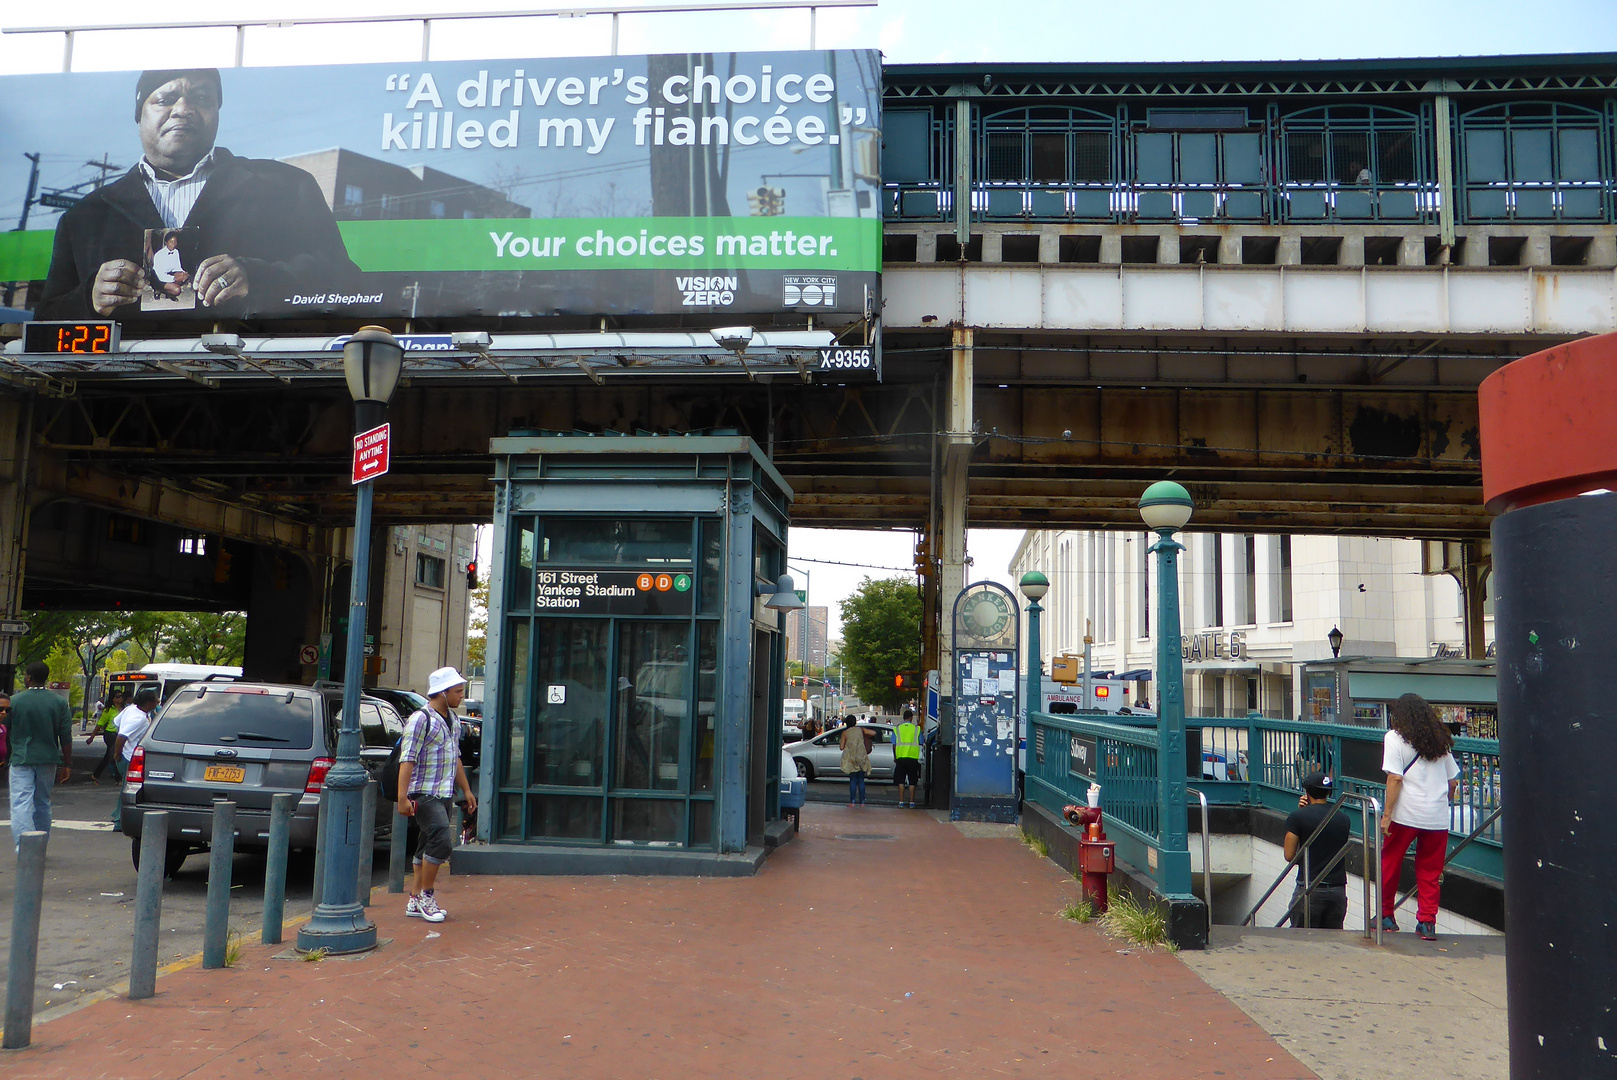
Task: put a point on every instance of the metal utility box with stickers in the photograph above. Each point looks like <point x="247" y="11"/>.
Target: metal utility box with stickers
<point x="635" y="676"/>
<point x="986" y="664"/>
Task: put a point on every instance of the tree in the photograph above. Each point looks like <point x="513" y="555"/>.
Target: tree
<point x="148" y="630"/>
<point x="205" y="637"/>
<point x="74" y="638"/>
<point x="477" y="638"/>
<point x="46" y="630"/>
<point x="881" y="637"/>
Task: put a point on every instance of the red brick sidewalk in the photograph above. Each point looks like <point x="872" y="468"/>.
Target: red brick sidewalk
<point x="927" y="955"/>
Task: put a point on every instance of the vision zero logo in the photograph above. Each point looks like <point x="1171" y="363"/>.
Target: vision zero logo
<point x="811" y="291"/>
<point x="715" y="291"/>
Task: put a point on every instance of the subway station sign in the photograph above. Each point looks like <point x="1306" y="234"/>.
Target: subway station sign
<point x="716" y="183"/>
<point x="612" y="592"/>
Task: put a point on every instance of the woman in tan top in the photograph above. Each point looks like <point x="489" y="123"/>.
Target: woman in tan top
<point x="855" y="759"/>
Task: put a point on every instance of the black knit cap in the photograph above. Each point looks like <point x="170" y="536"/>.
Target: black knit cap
<point x="151" y="80"/>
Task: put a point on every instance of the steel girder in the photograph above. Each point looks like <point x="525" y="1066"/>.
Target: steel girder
<point x="1370" y="460"/>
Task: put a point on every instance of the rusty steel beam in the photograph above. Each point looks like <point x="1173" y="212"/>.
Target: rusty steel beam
<point x="1376" y="459"/>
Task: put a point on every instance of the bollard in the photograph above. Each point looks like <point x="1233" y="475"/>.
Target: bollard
<point x="456" y="823"/>
<point x="280" y="837"/>
<point x="320" y="849"/>
<point x="148" y="904"/>
<point x="367" y="842"/>
<point x="398" y="855"/>
<point x="24" y="940"/>
<point x="216" y="923"/>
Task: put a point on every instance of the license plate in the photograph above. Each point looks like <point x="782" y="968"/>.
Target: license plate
<point x="224" y="774"/>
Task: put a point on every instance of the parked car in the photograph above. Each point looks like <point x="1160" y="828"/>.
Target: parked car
<point x="246" y="741"/>
<point x="407" y="702"/>
<point x="793" y="792"/>
<point x="821" y="756"/>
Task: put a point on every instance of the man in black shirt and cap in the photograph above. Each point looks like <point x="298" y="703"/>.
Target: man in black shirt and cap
<point x="1327" y="907"/>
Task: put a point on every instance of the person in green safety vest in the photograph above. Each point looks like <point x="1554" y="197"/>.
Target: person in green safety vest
<point x="907" y="758"/>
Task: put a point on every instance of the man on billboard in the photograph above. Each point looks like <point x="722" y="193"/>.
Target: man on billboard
<point x="264" y="231"/>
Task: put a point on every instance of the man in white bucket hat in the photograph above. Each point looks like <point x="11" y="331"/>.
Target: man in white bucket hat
<point x="430" y="772"/>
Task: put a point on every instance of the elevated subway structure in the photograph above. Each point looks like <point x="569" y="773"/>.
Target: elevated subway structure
<point x="1095" y="276"/>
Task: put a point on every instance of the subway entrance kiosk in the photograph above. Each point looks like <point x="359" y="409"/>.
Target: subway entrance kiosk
<point x="633" y="719"/>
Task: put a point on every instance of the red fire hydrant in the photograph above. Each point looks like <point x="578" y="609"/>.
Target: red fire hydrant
<point x="1097" y="856"/>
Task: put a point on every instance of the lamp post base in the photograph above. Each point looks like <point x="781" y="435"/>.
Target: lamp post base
<point x="338" y="930"/>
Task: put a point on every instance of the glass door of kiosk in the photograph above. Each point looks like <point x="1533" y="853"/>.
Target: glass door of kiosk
<point x="612" y="639"/>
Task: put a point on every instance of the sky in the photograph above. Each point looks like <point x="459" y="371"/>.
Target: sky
<point x="906" y="31"/>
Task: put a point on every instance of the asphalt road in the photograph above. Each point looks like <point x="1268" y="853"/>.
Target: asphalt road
<point x="87" y="927"/>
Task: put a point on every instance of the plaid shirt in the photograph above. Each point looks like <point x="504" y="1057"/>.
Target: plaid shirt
<point x="433" y="745"/>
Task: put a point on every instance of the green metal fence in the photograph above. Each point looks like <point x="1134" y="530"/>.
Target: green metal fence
<point x="1241" y="761"/>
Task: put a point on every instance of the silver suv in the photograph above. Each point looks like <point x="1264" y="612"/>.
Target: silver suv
<point x="245" y="741"/>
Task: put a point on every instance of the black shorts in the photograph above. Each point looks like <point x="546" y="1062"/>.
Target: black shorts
<point x="907" y="771"/>
<point x="432" y="819"/>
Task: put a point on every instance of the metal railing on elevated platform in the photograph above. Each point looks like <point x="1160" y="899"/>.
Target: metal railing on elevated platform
<point x="1250" y="761"/>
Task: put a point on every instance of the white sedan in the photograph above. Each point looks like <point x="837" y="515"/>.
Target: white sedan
<point x="821" y="756"/>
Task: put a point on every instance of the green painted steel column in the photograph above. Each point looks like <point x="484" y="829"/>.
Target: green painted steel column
<point x="1166" y="507"/>
<point x="1033" y="585"/>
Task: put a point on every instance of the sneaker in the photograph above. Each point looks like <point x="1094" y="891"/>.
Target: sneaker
<point x="1389" y="925"/>
<point x="1426" y="931"/>
<point x="425" y="907"/>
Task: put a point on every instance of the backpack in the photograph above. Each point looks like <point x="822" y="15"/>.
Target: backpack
<point x="389" y="777"/>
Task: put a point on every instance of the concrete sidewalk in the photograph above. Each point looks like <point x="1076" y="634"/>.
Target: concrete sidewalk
<point x="1416" y="1010"/>
<point x="880" y="943"/>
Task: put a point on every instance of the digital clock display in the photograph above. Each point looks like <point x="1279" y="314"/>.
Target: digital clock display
<point x="70" y="338"/>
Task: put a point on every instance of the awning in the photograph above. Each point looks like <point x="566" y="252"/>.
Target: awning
<point x="1137" y="675"/>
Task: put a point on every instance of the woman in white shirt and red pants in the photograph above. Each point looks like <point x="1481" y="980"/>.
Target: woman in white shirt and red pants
<point x="1421" y="781"/>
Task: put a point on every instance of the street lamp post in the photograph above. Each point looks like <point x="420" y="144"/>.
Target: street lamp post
<point x="372" y="360"/>
<point x="1166" y="507"/>
<point x="803" y="632"/>
<point x="1034" y="585"/>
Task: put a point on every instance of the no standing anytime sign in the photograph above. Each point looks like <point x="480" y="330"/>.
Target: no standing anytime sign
<point x="371" y="454"/>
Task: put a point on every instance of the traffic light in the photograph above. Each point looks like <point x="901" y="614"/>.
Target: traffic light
<point x="471" y="576"/>
<point x="898" y="681"/>
<point x="766" y="201"/>
<point x="924" y="567"/>
<point x="221" y="566"/>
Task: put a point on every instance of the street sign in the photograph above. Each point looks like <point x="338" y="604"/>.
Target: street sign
<point x="371" y="453"/>
<point x="58" y="201"/>
<point x="309" y="654"/>
<point x="13" y="628"/>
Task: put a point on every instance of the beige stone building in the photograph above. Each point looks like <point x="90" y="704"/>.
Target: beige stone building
<point x="425" y="602"/>
<point x="1253" y="609"/>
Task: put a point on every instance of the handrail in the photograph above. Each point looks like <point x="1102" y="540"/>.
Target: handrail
<point x="1091" y="725"/>
<point x="1292" y="862"/>
<point x="1207" y="862"/>
<point x="1372" y="895"/>
<point x="1476" y="832"/>
<point x="1372" y="919"/>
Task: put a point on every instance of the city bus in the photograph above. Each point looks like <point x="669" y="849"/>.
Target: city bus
<point x="166" y="679"/>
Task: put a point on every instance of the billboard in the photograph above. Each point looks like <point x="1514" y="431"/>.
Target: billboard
<point x="693" y="183"/>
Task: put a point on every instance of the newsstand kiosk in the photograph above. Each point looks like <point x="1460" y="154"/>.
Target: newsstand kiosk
<point x="635" y="674"/>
